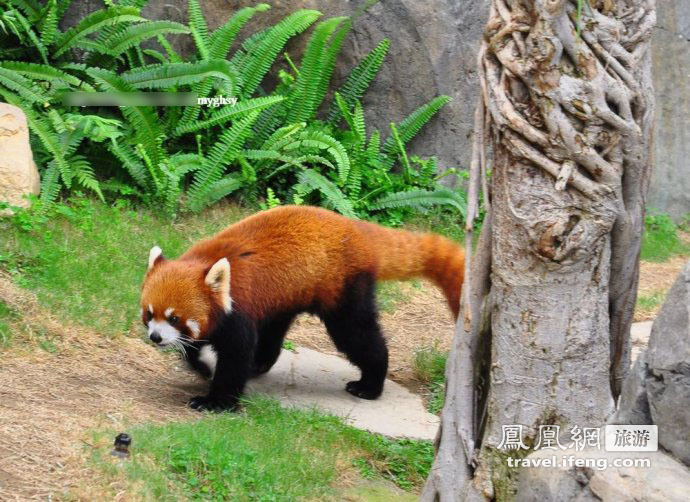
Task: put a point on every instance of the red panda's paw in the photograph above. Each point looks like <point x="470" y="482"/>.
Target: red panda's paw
<point x="363" y="391"/>
<point x="207" y="403"/>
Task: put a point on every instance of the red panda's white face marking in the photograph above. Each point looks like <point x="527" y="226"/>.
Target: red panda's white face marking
<point x="180" y="299"/>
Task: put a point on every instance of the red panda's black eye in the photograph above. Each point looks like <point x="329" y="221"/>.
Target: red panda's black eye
<point x="148" y="315"/>
<point x="173" y="319"/>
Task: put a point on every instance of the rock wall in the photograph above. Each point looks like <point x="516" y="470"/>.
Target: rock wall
<point x="433" y="51"/>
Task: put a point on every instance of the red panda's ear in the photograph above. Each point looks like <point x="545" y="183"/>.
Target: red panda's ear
<point x="155" y="256"/>
<point x="218" y="279"/>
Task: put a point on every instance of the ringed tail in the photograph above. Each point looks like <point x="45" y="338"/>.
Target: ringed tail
<point x="403" y="255"/>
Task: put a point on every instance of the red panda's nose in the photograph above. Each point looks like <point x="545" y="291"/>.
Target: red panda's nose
<point x="155" y="337"/>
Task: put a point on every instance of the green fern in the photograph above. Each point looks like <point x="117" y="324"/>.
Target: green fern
<point x="84" y="174"/>
<point x="316" y="69"/>
<point x="411" y="125"/>
<point x="49" y="23"/>
<point x="229" y="112"/>
<point x="221" y="188"/>
<point x="37" y="71"/>
<point x="92" y="23"/>
<point x="24" y="87"/>
<point x="422" y="198"/>
<point x="197" y="24"/>
<point x="132" y="164"/>
<point x="223" y="152"/>
<point x="50" y="184"/>
<point x="333" y="196"/>
<point x="359" y="79"/>
<point x="178" y="74"/>
<point x="264" y="52"/>
<point x="322" y="141"/>
<point x="223" y="37"/>
<point x="131" y="36"/>
<point x="143" y="120"/>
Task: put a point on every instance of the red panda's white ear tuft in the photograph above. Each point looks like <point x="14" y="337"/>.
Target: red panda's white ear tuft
<point x="155" y="256"/>
<point x="218" y="279"/>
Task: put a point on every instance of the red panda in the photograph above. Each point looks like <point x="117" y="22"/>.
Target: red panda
<point x="228" y="302"/>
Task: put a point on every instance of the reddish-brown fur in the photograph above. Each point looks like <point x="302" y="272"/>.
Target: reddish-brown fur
<point x="296" y="257"/>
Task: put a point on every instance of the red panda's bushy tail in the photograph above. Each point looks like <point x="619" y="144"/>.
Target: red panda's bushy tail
<point x="404" y="255"/>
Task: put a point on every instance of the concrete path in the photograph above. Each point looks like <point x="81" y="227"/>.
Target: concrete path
<point x="306" y="378"/>
<point x="639" y="337"/>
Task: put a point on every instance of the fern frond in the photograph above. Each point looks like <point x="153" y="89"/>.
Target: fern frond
<point x="94" y="22"/>
<point x="306" y="95"/>
<point x="354" y="181"/>
<point x="28" y="29"/>
<point x="49" y="23"/>
<point x="283" y="134"/>
<point x="173" y="56"/>
<point x="264" y="52"/>
<point x="152" y="53"/>
<point x="22" y="86"/>
<point x="143" y="119"/>
<point x="132" y="164"/>
<point x="50" y="184"/>
<point x="218" y="190"/>
<point x="359" y="79"/>
<point x="201" y="90"/>
<point x="185" y="163"/>
<point x="223" y="37"/>
<point x="134" y="34"/>
<point x="422" y="198"/>
<point x="85" y="175"/>
<point x="37" y="71"/>
<point x="32" y="8"/>
<point x="331" y="193"/>
<point x="62" y="6"/>
<point x="322" y="141"/>
<point x="213" y="166"/>
<point x="177" y="74"/>
<point x="410" y="126"/>
<point x="229" y="112"/>
<point x="197" y="24"/>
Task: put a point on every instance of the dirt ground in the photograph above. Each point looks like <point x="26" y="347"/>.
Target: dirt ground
<point x="50" y="402"/>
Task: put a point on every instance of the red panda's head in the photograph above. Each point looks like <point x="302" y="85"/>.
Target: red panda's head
<point x="181" y="299"/>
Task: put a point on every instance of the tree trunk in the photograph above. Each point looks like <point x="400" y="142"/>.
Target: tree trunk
<point x="567" y="105"/>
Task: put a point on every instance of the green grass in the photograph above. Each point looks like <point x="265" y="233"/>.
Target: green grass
<point x="265" y="453"/>
<point x="661" y="239"/>
<point x="650" y="302"/>
<point x="7" y="318"/>
<point x="390" y="294"/>
<point x="87" y="260"/>
<point x="429" y="365"/>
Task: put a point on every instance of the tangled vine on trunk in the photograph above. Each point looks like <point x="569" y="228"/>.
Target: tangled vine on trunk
<point x="566" y="105"/>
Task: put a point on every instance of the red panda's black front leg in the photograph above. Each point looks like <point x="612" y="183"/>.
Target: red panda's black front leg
<point x="234" y="342"/>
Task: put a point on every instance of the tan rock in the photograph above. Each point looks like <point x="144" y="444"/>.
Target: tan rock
<point x="18" y="173"/>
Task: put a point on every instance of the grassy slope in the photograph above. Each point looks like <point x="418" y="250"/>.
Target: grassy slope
<point x="85" y="263"/>
<point x="267" y="454"/>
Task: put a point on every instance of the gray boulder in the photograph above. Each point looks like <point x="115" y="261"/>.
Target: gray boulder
<point x="666" y="480"/>
<point x="668" y="360"/>
<point x="18" y="173"/>
<point x="633" y="405"/>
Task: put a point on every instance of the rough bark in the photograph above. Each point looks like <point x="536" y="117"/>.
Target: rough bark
<point x="568" y="108"/>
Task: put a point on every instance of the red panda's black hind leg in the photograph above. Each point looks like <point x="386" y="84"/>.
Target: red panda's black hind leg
<point x="353" y="326"/>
